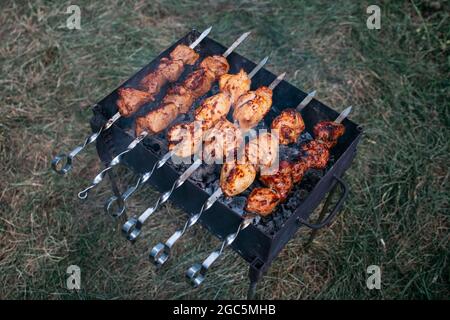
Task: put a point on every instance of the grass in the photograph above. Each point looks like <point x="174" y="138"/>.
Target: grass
<point x="397" y="215"/>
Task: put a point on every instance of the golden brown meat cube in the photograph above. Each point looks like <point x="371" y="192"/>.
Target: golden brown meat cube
<point x="179" y="96"/>
<point x="252" y="107"/>
<point x="328" y="132"/>
<point x="185" y="54"/>
<point x="280" y="181"/>
<point x="213" y="108"/>
<point x="157" y="120"/>
<point x="221" y="142"/>
<point x="289" y="124"/>
<point x="262" y="151"/>
<point x="236" y="178"/>
<point x="199" y="82"/>
<point x="262" y="201"/>
<point x="235" y="85"/>
<point x="130" y="100"/>
<point x="217" y="65"/>
<point x="316" y="153"/>
<point x="185" y="139"/>
<point x="167" y="71"/>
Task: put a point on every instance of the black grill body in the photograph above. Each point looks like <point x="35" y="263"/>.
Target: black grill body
<point x="257" y="247"/>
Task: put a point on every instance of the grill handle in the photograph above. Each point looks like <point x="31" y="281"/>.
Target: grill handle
<point x="333" y="213"/>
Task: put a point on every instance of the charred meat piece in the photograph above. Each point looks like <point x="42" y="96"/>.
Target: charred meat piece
<point x="298" y="170"/>
<point x="221" y="142"/>
<point x="328" y="132"/>
<point x="316" y="154"/>
<point x="262" y="201"/>
<point x="213" y="108"/>
<point x="281" y="181"/>
<point x="185" y="139"/>
<point x="289" y="124"/>
<point x="179" y="96"/>
<point x="199" y="82"/>
<point x="236" y="177"/>
<point x="185" y="54"/>
<point x="252" y="106"/>
<point x="157" y="120"/>
<point x="217" y="65"/>
<point x="235" y="85"/>
<point x="130" y="100"/>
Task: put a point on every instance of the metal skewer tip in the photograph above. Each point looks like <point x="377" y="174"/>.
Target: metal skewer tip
<point x="344" y="114"/>
<point x="277" y="81"/>
<point x="258" y="67"/>
<point x="200" y="38"/>
<point x="306" y="100"/>
<point x="236" y="44"/>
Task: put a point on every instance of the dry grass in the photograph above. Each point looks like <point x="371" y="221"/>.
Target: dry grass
<point x="396" y="77"/>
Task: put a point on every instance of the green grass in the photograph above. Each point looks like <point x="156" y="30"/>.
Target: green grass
<point x="397" y="78"/>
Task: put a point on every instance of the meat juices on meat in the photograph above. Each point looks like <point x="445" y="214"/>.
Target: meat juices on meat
<point x="235" y="85"/>
<point x="262" y="201"/>
<point x="130" y="100"/>
<point x="289" y="124"/>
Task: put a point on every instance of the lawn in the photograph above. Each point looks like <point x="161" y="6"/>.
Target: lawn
<point x="397" y="214"/>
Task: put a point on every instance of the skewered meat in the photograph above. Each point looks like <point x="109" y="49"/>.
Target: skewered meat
<point x="316" y="154"/>
<point x="262" y="201"/>
<point x="213" y="108"/>
<point x="179" y="96"/>
<point x="168" y="71"/>
<point x="131" y="99"/>
<point x="280" y="181"/>
<point x="328" y="132"/>
<point x="298" y="170"/>
<point x="251" y="107"/>
<point x="289" y="124"/>
<point x="235" y="84"/>
<point x="236" y="177"/>
<point x="263" y="151"/>
<point x="185" y="54"/>
<point x="199" y="82"/>
<point x="217" y="65"/>
<point x="221" y="142"/>
<point x="185" y="139"/>
<point x="157" y="120"/>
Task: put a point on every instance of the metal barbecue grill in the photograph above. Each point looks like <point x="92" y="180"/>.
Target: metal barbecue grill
<point x="260" y="243"/>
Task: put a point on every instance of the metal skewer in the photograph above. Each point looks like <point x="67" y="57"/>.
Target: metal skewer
<point x="67" y="159"/>
<point x="109" y="205"/>
<point x="99" y="177"/>
<point x="160" y="253"/>
<point x="197" y="272"/>
<point x="133" y="227"/>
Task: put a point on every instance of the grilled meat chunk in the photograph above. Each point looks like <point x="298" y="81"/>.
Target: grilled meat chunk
<point x="316" y="154"/>
<point x="167" y="71"/>
<point x="236" y="177"/>
<point x="328" y="132"/>
<point x="221" y="142"/>
<point x="179" y="96"/>
<point x="185" y="54"/>
<point x="235" y="84"/>
<point x="130" y="100"/>
<point x="262" y="152"/>
<point x="262" y="201"/>
<point x="289" y="124"/>
<point x="298" y="170"/>
<point x="199" y="82"/>
<point x="281" y="181"/>
<point x="217" y="65"/>
<point x="251" y="107"/>
<point x="157" y="120"/>
<point x="185" y="139"/>
<point x="213" y="108"/>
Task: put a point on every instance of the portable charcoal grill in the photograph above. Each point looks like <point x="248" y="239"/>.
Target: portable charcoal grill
<point x="260" y="243"/>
